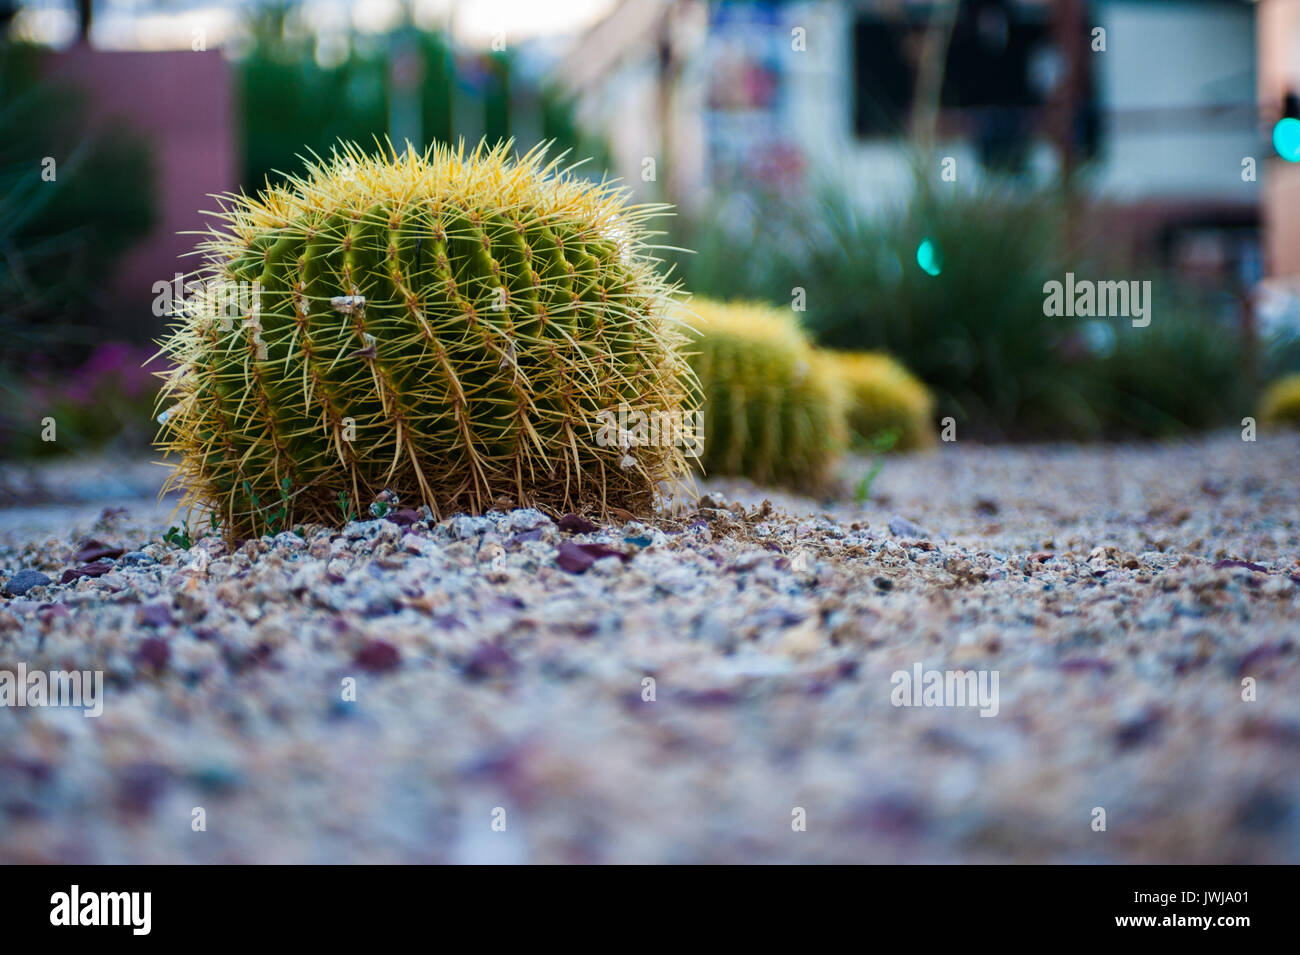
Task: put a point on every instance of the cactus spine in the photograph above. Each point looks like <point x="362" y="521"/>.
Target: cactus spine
<point x="445" y="325"/>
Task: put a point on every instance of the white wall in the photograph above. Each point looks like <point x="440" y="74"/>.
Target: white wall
<point x="821" y="81"/>
<point x="1164" y="64"/>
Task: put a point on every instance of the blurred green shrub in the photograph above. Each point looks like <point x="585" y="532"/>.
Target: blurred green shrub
<point x="61" y="239"/>
<point x="292" y="104"/>
<point x="1281" y="335"/>
<point x="970" y="323"/>
<point x="1185" y="371"/>
<point x="107" y="399"/>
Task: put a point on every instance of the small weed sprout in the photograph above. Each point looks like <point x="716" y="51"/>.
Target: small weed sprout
<point x="275" y="520"/>
<point x="879" y="445"/>
<point x="178" y="537"/>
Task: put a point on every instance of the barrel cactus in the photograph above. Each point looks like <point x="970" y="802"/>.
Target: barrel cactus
<point x="1280" y="404"/>
<point x="445" y="326"/>
<point x="772" y="410"/>
<point x="885" y="399"/>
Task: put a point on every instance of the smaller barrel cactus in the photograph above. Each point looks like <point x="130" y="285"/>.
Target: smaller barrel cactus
<point x="1281" y="402"/>
<point x="884" y="397"/>
<point x="772" y="411"/>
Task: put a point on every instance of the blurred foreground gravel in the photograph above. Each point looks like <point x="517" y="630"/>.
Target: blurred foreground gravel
<point x="502" y="668"/>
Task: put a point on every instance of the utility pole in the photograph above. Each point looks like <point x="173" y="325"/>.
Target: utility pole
<point x="85" y="13"/>
<point x="1064" y="112"/>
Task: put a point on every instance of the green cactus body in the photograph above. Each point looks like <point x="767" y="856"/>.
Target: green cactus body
<point x="885" y="397"/>
<point x="448" y="326"/>
<point x="771" y="412"/>
<point x="1280" y="404"/>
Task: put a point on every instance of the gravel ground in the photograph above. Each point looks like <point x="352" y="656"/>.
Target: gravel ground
<point x="501" y="665"/>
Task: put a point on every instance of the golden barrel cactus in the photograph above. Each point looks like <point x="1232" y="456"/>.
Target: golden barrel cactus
<point x="772" y="411"/>
<point x="1280" y="404"/>
<point x="885" y="397"/>
<point x="447" y="326"/>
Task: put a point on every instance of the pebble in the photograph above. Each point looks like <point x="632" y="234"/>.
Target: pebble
<point x="365" y="530"/>
<point x="902" y="527"/>
<point x="576" y="524"/>
<point x="465" y="527"/>
<point x="25" y="580"/>
<point x="154" y="652"/>
<point x="288" y="540"/>
<point x="378" y="656"/>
